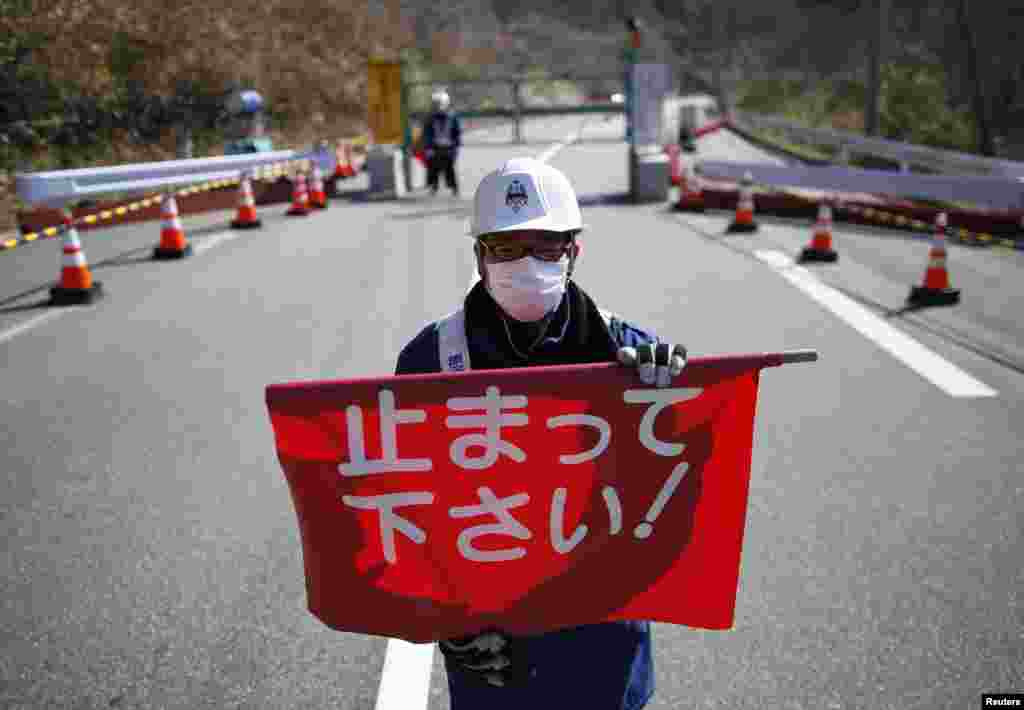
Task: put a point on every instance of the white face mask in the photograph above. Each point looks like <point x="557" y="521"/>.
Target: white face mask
<point x="528" y="288"/>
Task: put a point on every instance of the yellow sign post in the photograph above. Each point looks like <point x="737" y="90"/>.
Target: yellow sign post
<point x="384" y="101"/>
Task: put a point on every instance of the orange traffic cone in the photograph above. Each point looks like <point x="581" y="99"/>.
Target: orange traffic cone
<point x="820" y="248"/>
<point x="344" y="169"/>
<point x="76" y="284"/>
<point x="173" y="244"/>
<point x="246" y="218"/>
<point x="675" y="172"/>
<point x="317" y="196"/>
<point x="300" y="198"/>
<point x="744" y="219"/>
<point x="691" y="194"/>
<point x="339" y="163"/>
<point x="352" y="169"/>
<point x="935" y="291"/>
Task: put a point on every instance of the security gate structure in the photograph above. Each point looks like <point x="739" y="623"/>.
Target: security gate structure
<point x="513" y="99"/>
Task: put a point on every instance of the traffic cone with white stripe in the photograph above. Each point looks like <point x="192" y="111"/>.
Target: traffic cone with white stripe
<point x="344" y="167"/>
<point x="820" y="248"/>
<point x="317" y="195"/>
<point x="936" y="290"/>
<point x="300" y="198"/>
<point x="691" y="194"/>
<point x="744" y="219"/>
<point x="173" y="244"/>
<point x="76" y="284"/>
<point x="339" y="162"/>
<point x="353" y="166"/>
<point x="675" y="171"/>
<point x="246" y="217"/>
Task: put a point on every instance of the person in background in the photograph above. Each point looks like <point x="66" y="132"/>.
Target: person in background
<point x="442" y="138"/>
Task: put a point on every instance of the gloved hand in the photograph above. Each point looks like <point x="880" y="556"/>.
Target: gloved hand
<point x="657" y="364"/>
<point x="486" y="655"/>
<point x="429" y="152"/>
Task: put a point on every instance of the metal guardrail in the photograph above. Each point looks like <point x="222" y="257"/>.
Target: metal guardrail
<point x="905" y="154"/>
<point x="994" y="191"/>
<point x="113" y="213"/>
<point x="61" y="187"/>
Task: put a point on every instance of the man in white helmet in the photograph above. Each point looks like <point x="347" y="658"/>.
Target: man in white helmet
<point x="442" y="138"/>
<point x="526" y="311"/>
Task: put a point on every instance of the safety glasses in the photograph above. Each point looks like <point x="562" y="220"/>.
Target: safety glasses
<point x="511" y="250"/>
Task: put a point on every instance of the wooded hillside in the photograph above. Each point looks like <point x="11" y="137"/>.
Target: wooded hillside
<point x="98" y="81"/>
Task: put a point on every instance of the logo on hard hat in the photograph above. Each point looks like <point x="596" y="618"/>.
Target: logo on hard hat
<point x="516" y="197"/>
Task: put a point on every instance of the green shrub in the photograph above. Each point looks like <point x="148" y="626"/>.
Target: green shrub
<point x="915" y="108"/>
<point x="764" y="96"/>
<point x="915" y="105"/>
<point x="846" y="96"/>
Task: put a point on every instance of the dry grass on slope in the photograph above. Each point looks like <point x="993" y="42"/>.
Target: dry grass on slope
<point x="308" y="60"/>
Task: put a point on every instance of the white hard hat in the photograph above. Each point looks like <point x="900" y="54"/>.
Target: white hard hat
<point x="441" y="99"/>
<point x="525" y="193"/>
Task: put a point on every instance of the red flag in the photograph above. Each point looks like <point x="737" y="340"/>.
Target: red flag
<point x="434" y="506"/>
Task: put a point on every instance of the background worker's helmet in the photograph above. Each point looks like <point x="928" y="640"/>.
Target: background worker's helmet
<point x="525" y="193"/>
<point x="244" y="102"/>
<point x="440" y="100"/>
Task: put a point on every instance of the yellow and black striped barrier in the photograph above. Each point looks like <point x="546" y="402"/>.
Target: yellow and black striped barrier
<point x="958" y="233"/>
<point x="30" y="237"/>
<point x="891" y="219"/>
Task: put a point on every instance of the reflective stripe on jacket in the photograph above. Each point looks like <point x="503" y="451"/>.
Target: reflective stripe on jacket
<point x="453" y="349"/>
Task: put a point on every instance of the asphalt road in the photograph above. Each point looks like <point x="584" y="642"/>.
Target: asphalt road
<point x="150" y="555"/>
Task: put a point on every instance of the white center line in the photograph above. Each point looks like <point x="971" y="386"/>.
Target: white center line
<point x="405" y="678"/>
<point x="31" y="323"/>
<point x="554" y="150"/>
<point x="940" y="372"/>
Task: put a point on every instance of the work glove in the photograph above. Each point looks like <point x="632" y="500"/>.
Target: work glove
<point x="656" y="363"/>
<point x="487" y="656"/>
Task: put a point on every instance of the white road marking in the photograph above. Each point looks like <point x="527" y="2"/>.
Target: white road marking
<point x="554" y="150"/>
<point x="405" y="678"/>
<point x="27" y="325"/>
<point x="940" y="372"/>
<point x="31" y="323"/>
<point x="214" y="239"/>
